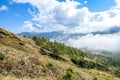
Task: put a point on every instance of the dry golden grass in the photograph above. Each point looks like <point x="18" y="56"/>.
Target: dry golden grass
<point x="61" y="66"/>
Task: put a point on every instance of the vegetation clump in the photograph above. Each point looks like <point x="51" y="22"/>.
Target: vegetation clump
<point x="89" y="64"/>
<point x="58" y="48"/>
<point x="70" y="75"/>
<point x="1" y="57"/>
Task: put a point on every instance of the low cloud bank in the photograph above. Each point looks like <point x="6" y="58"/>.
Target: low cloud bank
<point x="108" y="42"/>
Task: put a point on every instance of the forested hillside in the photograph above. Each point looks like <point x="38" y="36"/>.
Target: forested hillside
<point x="81" y="59"/>
<point x="23" y="58"/>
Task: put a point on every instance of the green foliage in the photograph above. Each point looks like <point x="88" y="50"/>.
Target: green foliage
<point x="57" y="57"/>
<point x="114" y="60"/>
<point x="58" y="48"/>
<point x="1" y="57"/>
<point x="40" y="41"/>
<point x="109" y="78"/>
<point x="89" y="64"/>
<point x="117" y="72"/>
<point x="77" y="56"/>
<point x="70" y="75"/>
<point x="105" y="58"/>
<point x="95" y="78"/>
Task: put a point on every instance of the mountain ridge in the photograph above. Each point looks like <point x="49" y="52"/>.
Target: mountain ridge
<point x="61" y="33"/>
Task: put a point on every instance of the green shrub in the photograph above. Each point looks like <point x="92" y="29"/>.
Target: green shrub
<point x="1" y="57"/>
<point x="88" y="64"/>
<point x="95" y="78"/>
<point x="117" y="72"/>
<point x="109" y="78"/>
<point x="70" y="75"/>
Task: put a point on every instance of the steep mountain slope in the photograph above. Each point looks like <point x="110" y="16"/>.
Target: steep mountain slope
<point x="11" y="40"/>
<point x="22" y="59"/>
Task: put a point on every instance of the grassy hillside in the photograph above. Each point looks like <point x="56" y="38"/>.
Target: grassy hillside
<point x="40" y="59"/>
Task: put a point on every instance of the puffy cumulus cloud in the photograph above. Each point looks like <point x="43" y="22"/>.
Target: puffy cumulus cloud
<point x="76" y="20"/>
<point x="107" y="42"/>
<point x="66" y="16"/>
<point x="117" y="3"/>
<point x="53" y="12"/>
<point x="28" y="26"/>
<point x="101" y="21"/>
<point x="3" y="8"/>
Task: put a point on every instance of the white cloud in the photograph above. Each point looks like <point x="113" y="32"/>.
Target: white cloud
<point x="3" y="8"/>
<point x="117" y="3"/>
<point x="28" y="26"/>
<point x="107" y="42"/>
<point x="66" y="16"/>
<point x="85" y="2"/>
<point x="76" y="20"/>
<point x="52" y="12"/>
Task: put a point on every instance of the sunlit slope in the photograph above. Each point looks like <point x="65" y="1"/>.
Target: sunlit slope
<point x="21" y="59"/>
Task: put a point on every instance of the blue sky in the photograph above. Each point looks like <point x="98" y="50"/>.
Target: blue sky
<point x="13" y="18"/>
<point x="69" y="16"/>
